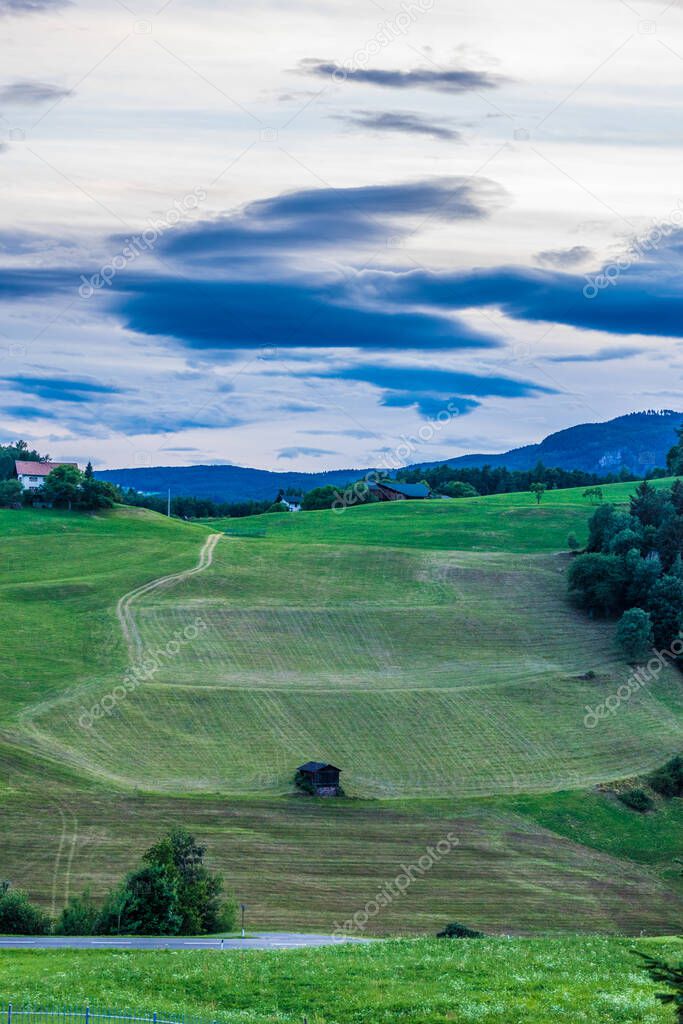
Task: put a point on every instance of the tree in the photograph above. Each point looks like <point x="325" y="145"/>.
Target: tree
<point x="538" y="489"/>
<point x="9" y="453"/>
<point x="674" y="460"/>
<point x="665" y="605"/>
<point x="200" y="894"/>
<point x="596" y="583"/>
<point x="79" y="917"/>
<point x="459" y="489"/>
<point x="595" y="494"/>
<point x="62" y="486"/>
<point x="145" y="904"/>
<point x="18" y="916"/>
<point x="97" y="493"/>
<point x="10" y="493"/>
<point x="634" y="633"/>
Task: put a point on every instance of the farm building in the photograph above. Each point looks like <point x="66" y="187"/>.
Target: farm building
<point x="393" y="490"/>
<point x="319" y="778"/>
<point x="31" y="475"/>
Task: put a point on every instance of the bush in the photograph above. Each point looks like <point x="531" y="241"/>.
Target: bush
<point x="10" y="493"/>
<point x="634" y="633"/>
<point x="573" y="542"/>
<point x="668" y="780"/>
<point x="79" y="917"/>
<point x="18" y="916"/>
<point x="458" y="931"/>
<point x="637" y="800"/>
<point x="596" y="583"/>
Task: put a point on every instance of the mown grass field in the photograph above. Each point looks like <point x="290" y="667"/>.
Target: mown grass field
<point x="418" y="670"/>
<point x="425" y="648"/>
<point x="586" y="980"/>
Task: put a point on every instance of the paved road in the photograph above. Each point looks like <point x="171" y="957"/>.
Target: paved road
<point x="265" y="940"/>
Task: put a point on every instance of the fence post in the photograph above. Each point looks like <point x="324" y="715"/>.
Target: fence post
<point x="155" y="1017"/>
<point x="87" y="1015"/>
<point x="9" y="1013"/>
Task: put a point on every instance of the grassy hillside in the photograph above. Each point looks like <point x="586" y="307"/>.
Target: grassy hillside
<point x="497" y="522"/>
<point x="433" y="674"/>
<point x="420" y="670"/>
<point x="418" y="982"/>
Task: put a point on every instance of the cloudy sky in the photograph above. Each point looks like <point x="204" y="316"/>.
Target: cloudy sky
<point x="292" y="236"/>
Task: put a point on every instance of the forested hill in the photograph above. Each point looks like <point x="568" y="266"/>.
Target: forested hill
<point x="637" y="442"/>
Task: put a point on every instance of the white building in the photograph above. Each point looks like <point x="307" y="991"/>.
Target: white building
<point x="31" y="475"/>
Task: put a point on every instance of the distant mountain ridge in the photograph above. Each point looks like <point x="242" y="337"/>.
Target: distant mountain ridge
<point x="638" y="442"/>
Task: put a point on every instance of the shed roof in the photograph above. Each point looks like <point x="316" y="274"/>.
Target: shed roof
<point x="39" y="468"/>
<point x="409" y="490"/>
<point x="316" y="766"/>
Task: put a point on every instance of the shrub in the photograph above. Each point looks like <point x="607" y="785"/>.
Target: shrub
<point x="459" y="931"/>
<point x="573" y="542"/>
<point x="79" y="917"/>
<point x="668" y="780"/>
<point x="637" y="799"/>
<point x="634" y="633"/>
<point x="10" y="493"/>
<point x="18" y="916"/>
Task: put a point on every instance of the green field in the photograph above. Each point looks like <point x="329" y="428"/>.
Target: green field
<point x="426" y="648"/>
<point x="415" y="981"/>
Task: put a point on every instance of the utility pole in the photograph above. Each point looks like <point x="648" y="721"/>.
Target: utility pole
<point x="168" y="506"/>
<point x="243" y="907"/>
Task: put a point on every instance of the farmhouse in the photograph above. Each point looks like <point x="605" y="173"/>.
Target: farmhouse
<point x="319" y="778"/>
<point x="393" y="490"/>
<point x="31" y="475"/>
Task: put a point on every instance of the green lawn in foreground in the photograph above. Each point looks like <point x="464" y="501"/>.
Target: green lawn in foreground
<point x="586" y="980"/>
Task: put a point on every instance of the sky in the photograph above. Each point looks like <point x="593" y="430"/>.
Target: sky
<point x="337" y="234"/>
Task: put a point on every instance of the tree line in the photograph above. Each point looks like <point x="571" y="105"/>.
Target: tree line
<point x="633" y="568"/>
<point x="170" y="893"/>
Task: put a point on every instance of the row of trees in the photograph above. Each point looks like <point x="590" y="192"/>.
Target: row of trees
<point x="633" y="567"/>
<point x="500" y="480"/>
<point x="170" y="893"/>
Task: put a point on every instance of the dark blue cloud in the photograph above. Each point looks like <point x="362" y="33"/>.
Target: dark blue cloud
<point x="645" y="299"/>
<point x="314" y="219"/>
<point x="440" y="382"/>
<point x="430" y="406"/>
<point x="402" y="121"/>
<point x="28" y="412"/>
<point x="435" y="391"/>
<point x="245" y="314"/>
<point x="58" y="389"/>
<point x="456" y="80"/>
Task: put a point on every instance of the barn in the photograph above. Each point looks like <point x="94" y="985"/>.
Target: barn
<point x="394" y="490"/>
<point x="319" y="778"/>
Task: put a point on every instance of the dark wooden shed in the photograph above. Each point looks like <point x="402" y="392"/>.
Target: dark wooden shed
<point x="319" y="778"/>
